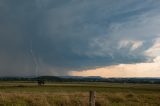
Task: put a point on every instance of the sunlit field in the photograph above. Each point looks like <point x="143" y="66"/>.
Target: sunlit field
<point x="77" y="94"/>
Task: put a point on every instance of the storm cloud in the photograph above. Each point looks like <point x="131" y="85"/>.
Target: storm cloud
<point x="54" y="37"/>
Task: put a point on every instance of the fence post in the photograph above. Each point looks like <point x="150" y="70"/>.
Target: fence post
<point x="92" y="96"/>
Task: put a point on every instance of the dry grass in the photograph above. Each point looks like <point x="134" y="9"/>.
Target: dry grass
<point x="78" y="99"/>
<point x="44" y="99"/>
<point x="77" y="94"/>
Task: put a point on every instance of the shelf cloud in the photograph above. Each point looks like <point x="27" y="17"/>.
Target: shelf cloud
<point x="59" y="37"/>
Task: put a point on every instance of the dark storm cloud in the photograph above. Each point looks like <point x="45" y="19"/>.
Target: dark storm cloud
<point x="54" y="36"/>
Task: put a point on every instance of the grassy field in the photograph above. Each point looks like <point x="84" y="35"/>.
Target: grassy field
<point x="76" y="94"/>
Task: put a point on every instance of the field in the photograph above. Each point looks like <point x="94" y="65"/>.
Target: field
<point x="77" y="94"/>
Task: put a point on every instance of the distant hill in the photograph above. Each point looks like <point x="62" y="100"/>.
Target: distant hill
<point x="83" y="79"/>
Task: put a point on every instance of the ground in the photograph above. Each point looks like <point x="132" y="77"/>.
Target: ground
<point x="22" y="93"/>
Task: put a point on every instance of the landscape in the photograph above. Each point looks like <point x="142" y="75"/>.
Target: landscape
<point x="79" y="52"/>
<point x="59" y="92"/>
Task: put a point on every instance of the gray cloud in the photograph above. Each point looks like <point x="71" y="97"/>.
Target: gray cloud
<point x="60" y="36"/>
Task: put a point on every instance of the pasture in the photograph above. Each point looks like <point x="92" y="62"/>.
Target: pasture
<point x="77" y="94"/>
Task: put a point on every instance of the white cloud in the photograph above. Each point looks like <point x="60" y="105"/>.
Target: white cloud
<point x="136" y="44"/>
<point x="133" y="43"/>
<point x="157" y="59"/>
<point x="154" y="51"/>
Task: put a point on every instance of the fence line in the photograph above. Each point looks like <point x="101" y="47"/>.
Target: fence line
<point x="92" y="98"/>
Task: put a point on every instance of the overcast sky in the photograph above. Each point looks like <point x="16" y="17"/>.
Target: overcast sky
<point x="109" y="38"/>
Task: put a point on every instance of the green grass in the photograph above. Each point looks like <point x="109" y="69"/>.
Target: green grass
<point x="76" y="94"/>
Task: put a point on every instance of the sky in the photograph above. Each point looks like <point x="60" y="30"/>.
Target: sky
<point x="107" y="38"/>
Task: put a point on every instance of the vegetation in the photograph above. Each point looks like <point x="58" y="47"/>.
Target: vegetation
<point x="83" y="79"/>
<point x="76" y="94"/>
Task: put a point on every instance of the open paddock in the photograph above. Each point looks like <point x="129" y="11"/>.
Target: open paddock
<point x="23" y="93"/>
